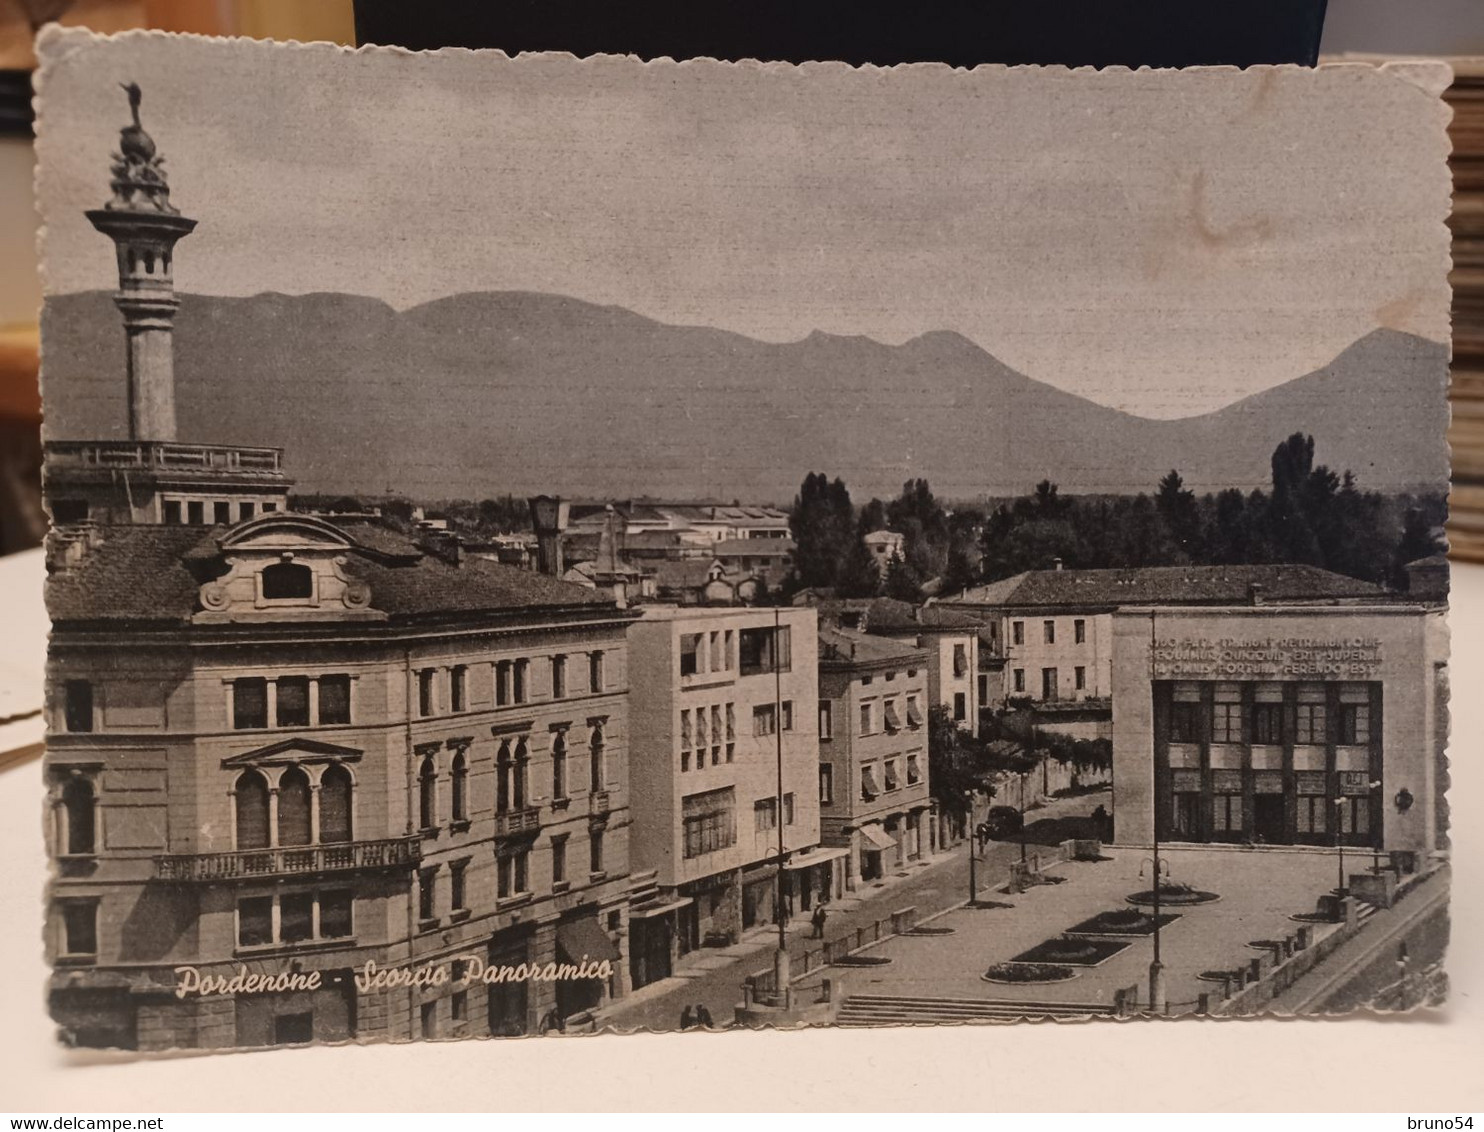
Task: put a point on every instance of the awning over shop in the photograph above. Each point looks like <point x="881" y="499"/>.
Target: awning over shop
<point x="583" y="940"/>
<point x="647" y="911"/>
<point x="816" y="857"/>
<point x="878" y="837"/>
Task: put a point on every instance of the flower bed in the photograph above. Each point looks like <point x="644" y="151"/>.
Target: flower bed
<point x="1122" y="921"/>
<point x="862" y="961"/>
<point x="1028" y="973"/>
<point x="1064" y="951"/>
<point x="1174" y="894"/>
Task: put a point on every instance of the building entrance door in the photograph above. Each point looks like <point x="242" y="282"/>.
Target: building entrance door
<point x="1267" y="818"/>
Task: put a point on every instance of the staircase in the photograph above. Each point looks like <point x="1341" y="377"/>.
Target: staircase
<point x="896" y="1010"/>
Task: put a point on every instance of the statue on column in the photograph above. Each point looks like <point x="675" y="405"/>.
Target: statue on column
<point x="139" y="183"/>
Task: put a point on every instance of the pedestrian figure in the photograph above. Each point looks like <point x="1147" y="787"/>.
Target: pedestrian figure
<point x="818" y="921"/>
<point x="687" y="1019"/>
<point x="982" y="833"/>
<point x="703" y="1016"/>
<point x="1099" y="821"/>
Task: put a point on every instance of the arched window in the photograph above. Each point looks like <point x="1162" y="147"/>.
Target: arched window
<point x="502" y="780"/>
<point x="522" y="757"/>
<point x="287" y="581"/>
<point x="77" y="804"/>
<point x="460" y="775"/>
<point x="427" y="782"/>
<point x="252" y="810"/>
<point x="293" y="808"/>
<point x="595" y="752"/>
<point x="334" y="804"/>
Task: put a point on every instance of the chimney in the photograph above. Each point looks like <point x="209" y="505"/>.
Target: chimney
<point x="1254" y="593"/>
<point x="549" y="519"/>
<point x="144" y="226"/>
<point x="1056" y="563"/>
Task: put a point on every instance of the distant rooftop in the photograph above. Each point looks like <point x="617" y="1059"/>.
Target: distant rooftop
<point x="1168" y="585"/>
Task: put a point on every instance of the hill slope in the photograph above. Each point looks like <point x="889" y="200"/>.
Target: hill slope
<point x="480" y="394"/>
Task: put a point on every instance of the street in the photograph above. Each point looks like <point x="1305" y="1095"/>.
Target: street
<point x="715" y="980"/>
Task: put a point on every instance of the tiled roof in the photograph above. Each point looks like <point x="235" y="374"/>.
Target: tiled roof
<point x="844" y="646"/>
<point x="733" y="547"/>
<point x="1168" y="585"/>
<point x="154" y="573"/>
<point x="890" y="615"/>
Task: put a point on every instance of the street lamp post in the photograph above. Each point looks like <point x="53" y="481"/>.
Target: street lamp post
<point x="973" y="875"/>
<point x="1341" y="890"/>
<point x="1023" y="775"/>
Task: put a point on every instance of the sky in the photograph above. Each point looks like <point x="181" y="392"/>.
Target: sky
<point x="1163" y="243"/>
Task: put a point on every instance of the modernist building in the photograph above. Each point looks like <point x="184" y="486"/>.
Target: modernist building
<point x="1052" y="629"/>
<point x="873" y="752"/>
<point x="726" y="758"/>
<point x="286" y="747"/>
<point x="1281" y="724"/>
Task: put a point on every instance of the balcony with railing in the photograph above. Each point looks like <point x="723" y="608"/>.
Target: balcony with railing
<point x="518" y="823"/>
<point x="285" y="861"/>
<point x="163" y="456"/>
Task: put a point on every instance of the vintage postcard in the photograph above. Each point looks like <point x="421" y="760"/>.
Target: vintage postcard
<point x="545" y="546"/>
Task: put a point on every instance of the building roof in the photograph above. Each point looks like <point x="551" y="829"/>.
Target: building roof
<point x="889" y="616"/>
<point x="758" y="547"/>
<point x="846" y="647"/>
<point x="1167" y="585"/>
<point x="154" y="574"/>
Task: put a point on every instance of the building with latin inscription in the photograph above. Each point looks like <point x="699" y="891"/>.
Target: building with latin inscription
<point x="1281" y="724"/>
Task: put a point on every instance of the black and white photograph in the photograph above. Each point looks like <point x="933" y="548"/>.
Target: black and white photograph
<point x="546" y="546"/>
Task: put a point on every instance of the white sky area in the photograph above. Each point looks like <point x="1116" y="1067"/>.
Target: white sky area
<point x="1161" y="242"/>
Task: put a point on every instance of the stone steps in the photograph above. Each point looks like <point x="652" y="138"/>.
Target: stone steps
<point x="899" y="1010"/>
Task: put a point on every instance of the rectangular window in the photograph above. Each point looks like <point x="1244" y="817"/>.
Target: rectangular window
<point x="296" y="917"/>
<point x="429" y="1019"/>
<point x="1185" y="723"/>
<point x="716" y="734"/>
<point x="458" y="688"/>
<point x="826" y="784"/>
<point x="80" y="928"/>
<point x="334" y="699"/>
<point x="427" y="894"/>
<point x="196" y="513"/>
<point x="456" y="895"/>
<point x="502" y="682"/>
<point x="718" y="660"/>
<point x="595" y="671"/>
<point x="559" y="766"/>
<point x="765" y="814"/>
<point x="558" y="677"/>
<point x="960" y="659"/>
<point x="522" y="681"/>
<point x="764" y="720"/>
<point x="788" y="809"/>
<point x="504" y="877"/>
<point x="595" y="852"/>
<point x="709" y="821"/>
<point x="293" y="701"/>
<point x="268" y="508"/>
<point x="559" y="860"/>
<point x="221" y="513"/>
<point x="246" y="511"/>
<point x="249" y="703"/>
<point x="1355" y="724"/>
<point x="1267" y="724"/>
<point x="690" y="654"/>
<point x="1079" y="678"/>
<point x="77" y="707"/>
<point x="765" y="649"/>
<point x="1018" y="676"/>
<point x="1048" y="632"/>
<point x="425" y="692"/>
<point x="1226" y="723"/>
<point x="889" y="774"/>
<point x="458" y="1005"/>
<point x="867" y="718"/>
<point x="1226" y="814"/>
<point x="1079" y="631"/>
<point x="255" y="921"/>
<point x="1049" y="684"/>
<point x="914" y="771"/>
<point x="826" y="719"/>
<point x="337" y="914"/>
<point x="1017" y="632"/>
<point x="1312" y="816"/>
<point x="960" y="706"/>
<point x="172" y="512"/>
<point x="788" y="715"/>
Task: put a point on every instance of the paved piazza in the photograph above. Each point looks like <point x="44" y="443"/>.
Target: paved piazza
<point x="1259" y="890"/>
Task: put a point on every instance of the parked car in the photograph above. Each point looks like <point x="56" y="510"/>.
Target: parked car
<point x="1000" y="823"/>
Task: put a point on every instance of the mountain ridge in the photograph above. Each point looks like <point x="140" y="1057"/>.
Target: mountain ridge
<point x="484" y="393"/>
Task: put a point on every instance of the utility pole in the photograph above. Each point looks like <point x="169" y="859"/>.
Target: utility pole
<point x="1158" y="1001"/>
<point x="780" y="960"/>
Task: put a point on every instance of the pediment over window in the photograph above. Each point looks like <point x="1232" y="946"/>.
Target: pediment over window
<point x="294" y="751"/>
<point x="285" y="530"/>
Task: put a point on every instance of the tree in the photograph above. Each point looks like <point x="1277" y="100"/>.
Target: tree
<point x="902" y="581"/>
<point x="822" y="523"/>
<point x="956" y="763"/>
<point x="1182" y="518"/>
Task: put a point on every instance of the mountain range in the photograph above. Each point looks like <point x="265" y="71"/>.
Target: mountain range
<point x="480" y="394"/>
